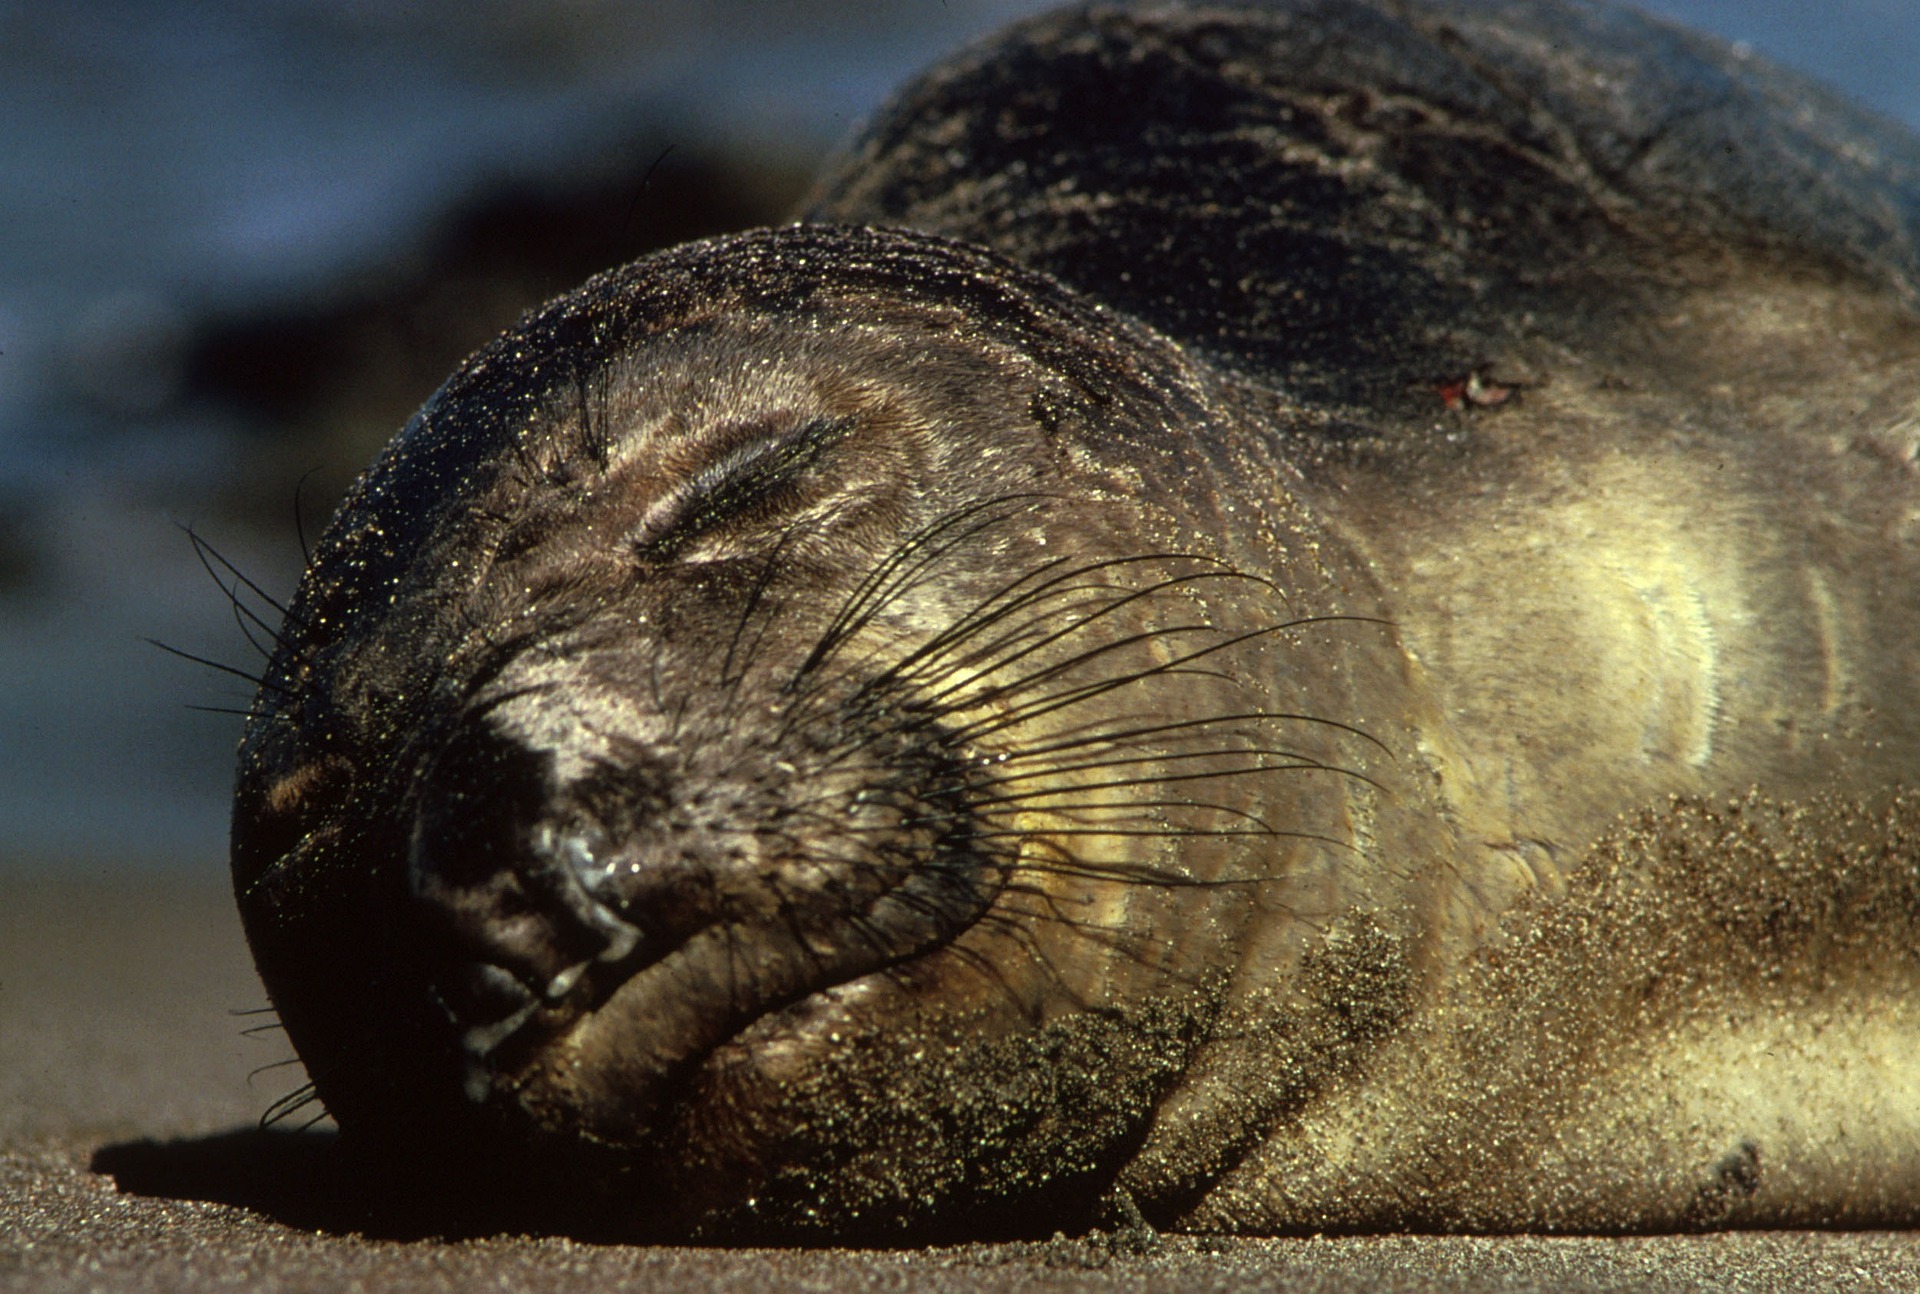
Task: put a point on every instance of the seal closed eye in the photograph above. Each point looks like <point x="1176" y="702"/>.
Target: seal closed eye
<point x="749" y="478"/>
<point x="1300" y="610"/>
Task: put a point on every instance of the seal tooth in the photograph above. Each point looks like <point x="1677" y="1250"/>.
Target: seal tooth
<point x="480" y="1042"/>
<point x="562" y="984"/>
<point x="624" y="941"/>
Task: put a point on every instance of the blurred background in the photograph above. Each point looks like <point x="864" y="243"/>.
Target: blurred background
<point x="243" y="239"/>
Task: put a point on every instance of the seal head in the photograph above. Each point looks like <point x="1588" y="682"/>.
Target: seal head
<point x="754" y="665"/>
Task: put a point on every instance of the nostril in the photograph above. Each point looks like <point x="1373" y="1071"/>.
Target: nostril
<point x="583" y="851"/>
<point x="580" y="869"/>
<point x="512" y="894"/>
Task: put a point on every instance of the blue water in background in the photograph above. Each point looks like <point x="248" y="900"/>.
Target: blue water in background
<point x="158" y="162"/>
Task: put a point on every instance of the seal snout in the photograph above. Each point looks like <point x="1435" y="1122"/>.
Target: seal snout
<point x="514" y="891"/>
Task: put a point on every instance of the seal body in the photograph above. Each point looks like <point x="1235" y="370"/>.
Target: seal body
<point x="1305" y="611"/>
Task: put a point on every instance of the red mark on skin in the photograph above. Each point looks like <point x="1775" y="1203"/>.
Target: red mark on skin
<point x="1473" y="391"/>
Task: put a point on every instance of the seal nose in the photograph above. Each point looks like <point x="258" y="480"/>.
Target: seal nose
<point x="511" y="900"/>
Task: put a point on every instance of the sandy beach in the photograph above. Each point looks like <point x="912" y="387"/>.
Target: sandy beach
<point x="131" y="1159"/>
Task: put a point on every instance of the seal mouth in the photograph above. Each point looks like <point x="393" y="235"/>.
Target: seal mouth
<point x="620" y="1064"/>
<point x="599" y="924"/>
<point x="490" y="1002"/>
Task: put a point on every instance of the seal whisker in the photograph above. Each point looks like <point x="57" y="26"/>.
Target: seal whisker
<point x="908" y="565"/>
<point x="1299" y="761"/>
<point x="1160" y="729"/>
<point x="1052" y="702"/>
<point x="987" y="610"/>
<point x="595" y="440"/>
<point x="260" y="682"/>
<point x="1063" y="810"/>
<point x="299" y="518"/>
<point x="1075" y="696"/>
<point x="269" y="1067"/>
<point x="986" y="614"/>
<point x="1025" y="682"/>
<point x="988" y="969"/>
<point x="1172" y="833"/>
<point x="1076" y="627"/>
<point x="912" y="666"/>
<point x="1133" y="874"/>
<point x="1141" y="875"/>
<point x="874" y="591"/>
<point x="985" y="617"/>
<point x="927" y="671"/>
<point x="241" y="617"/>
<point x="925" y="715"/>
<point x="769" y="571"/>
<point x="296" y="1100"/>
<point x="480" y="706"/>
<point x="1075" y="812"/>
<point x="208" y="554"/>
<point x="1135" y="946"/>
<point x="244" y="616"/>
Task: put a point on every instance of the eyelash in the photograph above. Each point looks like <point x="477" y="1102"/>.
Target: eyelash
<point x="731" y="487"/>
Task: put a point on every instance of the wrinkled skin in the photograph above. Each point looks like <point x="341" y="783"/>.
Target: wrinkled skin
<point x="1114" y="660"/>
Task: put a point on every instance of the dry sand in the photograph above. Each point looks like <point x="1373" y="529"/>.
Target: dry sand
<point x="129" y="1160"/>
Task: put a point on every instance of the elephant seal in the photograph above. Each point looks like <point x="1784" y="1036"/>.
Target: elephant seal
<point x="1302" y="611"/>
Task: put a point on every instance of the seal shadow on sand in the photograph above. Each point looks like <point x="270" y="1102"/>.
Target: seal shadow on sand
<point x="305" y="1179"/>
<point x="300" y="1179"/>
